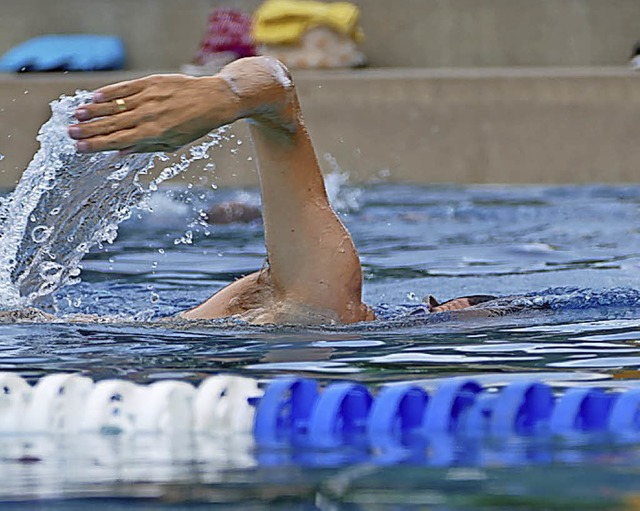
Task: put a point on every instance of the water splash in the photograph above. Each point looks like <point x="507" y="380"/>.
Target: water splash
<point x="342" y="197"/>
<point x="66" y="203"/>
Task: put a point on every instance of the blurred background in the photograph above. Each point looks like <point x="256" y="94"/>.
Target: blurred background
<point x="163" y="34"/>
<point x="477" y="91"/>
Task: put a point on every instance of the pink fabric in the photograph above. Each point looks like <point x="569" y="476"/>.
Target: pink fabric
<point x="229" y="31"/>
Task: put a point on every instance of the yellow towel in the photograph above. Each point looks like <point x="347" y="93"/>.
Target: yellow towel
<point x="286" y="21"/>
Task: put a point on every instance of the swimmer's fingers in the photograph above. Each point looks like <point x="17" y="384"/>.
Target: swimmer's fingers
<point x="120" y="90"/>
<point x="95" y="110"/>
<point x="104" y="126"/>
<point x="118" y="141"/>
<point x="126" y="141"/>
<point x="167" y="113"/>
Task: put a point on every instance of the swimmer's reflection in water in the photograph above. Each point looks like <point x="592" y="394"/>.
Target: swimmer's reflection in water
<point x="313" y="275"/>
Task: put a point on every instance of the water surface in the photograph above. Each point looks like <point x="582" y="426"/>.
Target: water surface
<point x="571" y="255"/>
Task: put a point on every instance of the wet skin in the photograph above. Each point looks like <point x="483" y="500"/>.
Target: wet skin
<point x="313" y="273"/>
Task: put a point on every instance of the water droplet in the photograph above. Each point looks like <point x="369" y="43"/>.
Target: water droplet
<point x="51" y="271"/>
<point x="48" y="183"/>
<point x="154" y="297"/>
<point x="41" y="233"/>
<point x="46" y="288"/>
<point x="187" y="239"/>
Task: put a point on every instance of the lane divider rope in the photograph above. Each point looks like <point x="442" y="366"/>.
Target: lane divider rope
<point x="296" y="412"/>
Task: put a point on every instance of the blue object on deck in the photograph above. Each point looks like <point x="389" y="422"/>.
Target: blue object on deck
<point x="69" y="52"/>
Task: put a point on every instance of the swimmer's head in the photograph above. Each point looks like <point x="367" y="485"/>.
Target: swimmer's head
<point x="232" y="212"/>
<point x="455" y="303"/>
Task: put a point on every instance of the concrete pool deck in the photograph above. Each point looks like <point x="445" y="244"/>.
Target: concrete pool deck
<point x="489" y="125"/>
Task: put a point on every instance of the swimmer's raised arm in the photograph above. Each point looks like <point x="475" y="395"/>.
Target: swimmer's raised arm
<point x="313" y="272"/>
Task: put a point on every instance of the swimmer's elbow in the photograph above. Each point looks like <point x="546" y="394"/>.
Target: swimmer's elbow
<point x="278" y="71"/>
<point x="245" y="74"/>
<point x="265" y="89"/>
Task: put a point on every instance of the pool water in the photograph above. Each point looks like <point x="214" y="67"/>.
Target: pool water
<point x="570" y="253"/>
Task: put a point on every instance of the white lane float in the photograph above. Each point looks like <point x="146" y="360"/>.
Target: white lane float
<point x="74" y="404"/>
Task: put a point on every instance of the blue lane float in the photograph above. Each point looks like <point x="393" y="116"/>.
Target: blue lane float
<point x="295" y="412"/>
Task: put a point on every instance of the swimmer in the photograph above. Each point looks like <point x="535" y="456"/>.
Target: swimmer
<point x="313" y="273"/>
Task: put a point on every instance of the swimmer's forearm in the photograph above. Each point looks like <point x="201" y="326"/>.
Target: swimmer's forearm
<point x="166" y="112"/>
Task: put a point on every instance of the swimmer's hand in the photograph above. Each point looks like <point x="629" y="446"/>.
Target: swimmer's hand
<point x="155" y="113"/>
<point x="166" y="112"/>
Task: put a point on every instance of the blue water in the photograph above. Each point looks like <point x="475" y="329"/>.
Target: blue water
<point x="570" y="255"/>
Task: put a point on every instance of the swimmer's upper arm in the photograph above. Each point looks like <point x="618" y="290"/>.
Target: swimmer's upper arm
<point x="312" y="258"/>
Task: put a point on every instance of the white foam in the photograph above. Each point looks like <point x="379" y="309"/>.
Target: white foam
<point x="66" y="203"/>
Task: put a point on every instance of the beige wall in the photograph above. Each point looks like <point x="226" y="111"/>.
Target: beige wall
<point x="466" y="126"/>
<point x="162" y="34"/>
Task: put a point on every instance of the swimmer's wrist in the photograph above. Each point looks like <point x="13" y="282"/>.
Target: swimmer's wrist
<point x="222" y="105"/>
